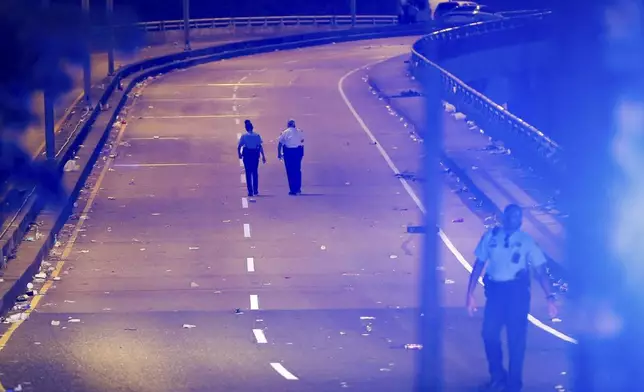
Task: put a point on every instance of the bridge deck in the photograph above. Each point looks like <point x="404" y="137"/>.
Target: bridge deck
<point x="332" y="286"/>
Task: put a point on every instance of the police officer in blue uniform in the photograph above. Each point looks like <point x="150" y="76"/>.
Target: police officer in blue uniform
<point x="507" y="255"/>
<point x="249" y="150"/>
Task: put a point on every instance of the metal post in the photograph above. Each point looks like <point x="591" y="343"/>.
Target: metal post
<point x="186" y="23"/>
<point x="109" y="8"/>
<point x="430" y="371"/>
<point x="87" y="64"/>
<point x="50" y="136"/>
<point x="604" y="108"/>
<point x="354" y="10"/>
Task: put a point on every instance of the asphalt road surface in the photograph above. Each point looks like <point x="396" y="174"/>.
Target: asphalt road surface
<point x="316" y="292"/>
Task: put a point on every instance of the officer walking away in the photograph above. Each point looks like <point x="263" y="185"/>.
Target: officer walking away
<point x="291" y="147"/>
<point x="507" y="255"/>
<point x="249" y="149"/>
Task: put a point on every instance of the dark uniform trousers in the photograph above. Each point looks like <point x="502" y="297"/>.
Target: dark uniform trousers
<point x="293" y="162"/>
<point x="250" y="158"/>
<point x="507" y="305"/>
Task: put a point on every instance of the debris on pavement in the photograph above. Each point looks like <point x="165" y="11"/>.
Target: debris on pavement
<point x="449" y="281"/>
<point x="323" y="247"/>
<point x="71" y="166"/>
<point x="458" y="220"/>
<point x="393" y="256"/>
<point x="189" y="326"/>
<point x="193" y="248"/>
<point x="413" y="346"/>
<point x="238" y="311"/>
<point x="194" y="285"/>
<point x="14" y="318"/>
<point x="74" y="320"/>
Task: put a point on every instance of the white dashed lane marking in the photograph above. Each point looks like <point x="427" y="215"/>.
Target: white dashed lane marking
<point x="260" y="336"/>
<point x="278" y="367"/>
<point x="254" y="302"/>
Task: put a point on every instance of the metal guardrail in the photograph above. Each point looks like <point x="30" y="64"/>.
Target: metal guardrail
<point x="269" y="21"/>
<point x="517" y="135"/>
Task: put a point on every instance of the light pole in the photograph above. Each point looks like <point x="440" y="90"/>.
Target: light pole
<point x="186" y="23"/>
<point x="109" y="8"/>
<point x="87" y="63"/>
<point x="430" y="320"/>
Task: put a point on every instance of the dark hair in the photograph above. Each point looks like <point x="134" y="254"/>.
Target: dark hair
<point x="248" y="125"/>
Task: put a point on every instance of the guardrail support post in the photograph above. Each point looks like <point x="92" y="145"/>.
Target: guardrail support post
<point x="430" y="320"/>
<point x="50" y="136"/>
<point x="186" y="23"/>
<point x="109" y="8"/>
<point x="87" y="64"/>
<point x="354" y="10"/>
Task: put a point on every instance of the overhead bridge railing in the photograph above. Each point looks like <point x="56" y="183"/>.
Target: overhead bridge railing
<point x="526" y="142"/>
<point x="270" y="21"/>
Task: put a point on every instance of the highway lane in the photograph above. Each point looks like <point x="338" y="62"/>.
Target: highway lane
<point x="326" y="279"/>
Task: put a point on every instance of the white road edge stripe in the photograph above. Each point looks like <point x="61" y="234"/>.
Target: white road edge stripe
<point x="246" y="230"/>
<point x="260" y="336"/>
<point x="457" y="254"/>
<point x="254" y="302"/>
<point x="282" y="371"/>
<point x="244" y="202"/>
<point x="242" y="178"/>
<point x="250" y="264"/>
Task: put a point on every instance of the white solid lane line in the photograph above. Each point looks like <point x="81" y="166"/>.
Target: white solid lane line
<point x="457" y="254"/>
<point x="244" y="202"/>
<point x="260" y="336"/>
<point x="250" y="264"/>
<point x="254" y="302"/>
<point x="246" y="230"/>
<point x="282" y="371"/>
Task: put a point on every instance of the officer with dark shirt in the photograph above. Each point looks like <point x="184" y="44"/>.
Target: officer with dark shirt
<point x="249" y="150"/>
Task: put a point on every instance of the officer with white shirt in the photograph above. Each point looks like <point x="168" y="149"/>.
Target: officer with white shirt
<point x="507" y="255"/>
<point x="290" y="146"/>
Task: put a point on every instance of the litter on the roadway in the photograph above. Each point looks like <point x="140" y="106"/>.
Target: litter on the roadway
<point x="189" y="326"/>
<point x="194" y="284"/>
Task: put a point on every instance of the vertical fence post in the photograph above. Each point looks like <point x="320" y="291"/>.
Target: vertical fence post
<point x="186" y="23"/>
<point x="109" y="8"/>
<point x="50" y="136"/>
<point x="87" y="64"/>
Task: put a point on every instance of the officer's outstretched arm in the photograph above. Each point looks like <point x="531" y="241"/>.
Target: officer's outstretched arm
<point x="477" y="270"/>
<point x="541" y="273"/>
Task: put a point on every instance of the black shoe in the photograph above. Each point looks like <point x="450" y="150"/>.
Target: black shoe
<point x="292" y="193"/>
<point x="256" y="193"/>
<point x="493" y="386"/>
<point x="299" y="192"/>
<point x="250" y="194"/>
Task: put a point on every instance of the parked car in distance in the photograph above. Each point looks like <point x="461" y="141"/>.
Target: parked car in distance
<point x="468" y="14"/>
<point x="446" y="6"/>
